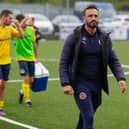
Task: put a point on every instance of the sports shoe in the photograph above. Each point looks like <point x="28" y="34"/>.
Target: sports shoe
<point x="2" y="113"/>
<point x="29" y="104"/>
<point x="21" y="95"/>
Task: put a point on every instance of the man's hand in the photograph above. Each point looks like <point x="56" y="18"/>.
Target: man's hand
<point x="122" y="85"/>
<point x="68" y="90"/>
<point x="19" y="28"/>
<point x="15" y="21"/>
<point x="36" y="60"/>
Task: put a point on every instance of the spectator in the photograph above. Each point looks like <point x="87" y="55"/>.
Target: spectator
<point x="38" y="35"/>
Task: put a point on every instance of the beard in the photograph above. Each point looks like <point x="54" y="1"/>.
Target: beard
<point x="7" y="23"/>
<point x="92" y="24"/>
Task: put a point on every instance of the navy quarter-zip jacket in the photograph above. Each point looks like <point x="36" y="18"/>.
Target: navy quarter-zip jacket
<point x="68" y="67"/>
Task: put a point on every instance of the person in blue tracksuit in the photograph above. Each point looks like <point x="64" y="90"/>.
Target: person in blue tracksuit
<point x="86" y="54"/>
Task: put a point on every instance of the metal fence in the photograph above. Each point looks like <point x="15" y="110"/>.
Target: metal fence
<point x="47" y="9"/>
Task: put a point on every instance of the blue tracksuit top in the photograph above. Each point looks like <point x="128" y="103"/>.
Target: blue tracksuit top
<point x="90" y="61"/>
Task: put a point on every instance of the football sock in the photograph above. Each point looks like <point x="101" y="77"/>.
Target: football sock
<point x="1" y="104"/>
<point x="26" y="91"/>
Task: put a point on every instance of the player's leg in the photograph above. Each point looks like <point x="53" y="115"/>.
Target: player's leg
<point x="24" y="72"/>
<point x="83" y="98"/>
<point x="4" y="74"/>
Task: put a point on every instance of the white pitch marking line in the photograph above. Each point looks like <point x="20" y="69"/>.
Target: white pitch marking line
<point x="45" y="59"/>
<point x="57" y="79"/>
<point x="111" y="75"/>
<point x="17" y="123"/>
<point x="125" y="66"/>
<point x="126" y="73"/>
<point x="50" y="79"/>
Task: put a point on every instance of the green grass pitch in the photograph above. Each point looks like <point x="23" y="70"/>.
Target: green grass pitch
<point x="52" y="109"/>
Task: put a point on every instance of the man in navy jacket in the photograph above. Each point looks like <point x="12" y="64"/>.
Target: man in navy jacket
<point x="83" y="66"/>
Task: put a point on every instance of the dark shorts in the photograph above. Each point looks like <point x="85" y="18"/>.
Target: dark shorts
<point x="4" y="72"/>
<point x="27" y="68"/>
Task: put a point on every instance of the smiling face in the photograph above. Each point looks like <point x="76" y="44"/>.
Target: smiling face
<point x="91" y="18"/>
<point x="8" y="19"/>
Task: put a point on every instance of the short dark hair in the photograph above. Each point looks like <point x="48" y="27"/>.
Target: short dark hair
<point x="5" y="12"/>
<point x="20" y="17"/>
<point x="92" y="6"/>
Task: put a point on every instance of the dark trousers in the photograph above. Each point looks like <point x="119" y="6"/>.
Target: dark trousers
<point x="88" y="98"/>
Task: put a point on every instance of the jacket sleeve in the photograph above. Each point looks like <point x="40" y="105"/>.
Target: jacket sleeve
<point x="114" y="63"/>
<point x="66" y="60"/>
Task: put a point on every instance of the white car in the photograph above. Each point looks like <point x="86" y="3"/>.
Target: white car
<point x="64" y="24"/>
<point x="43" y="23"/>
<point x="65" y="19"/>
<point x="118" y="21"/>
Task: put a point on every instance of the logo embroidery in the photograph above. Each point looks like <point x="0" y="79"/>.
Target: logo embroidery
<point x="99" y="42"/>
<point x="83" y="40"/>
<point x="82" y="96"/>
<point x="22" y="71"/>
